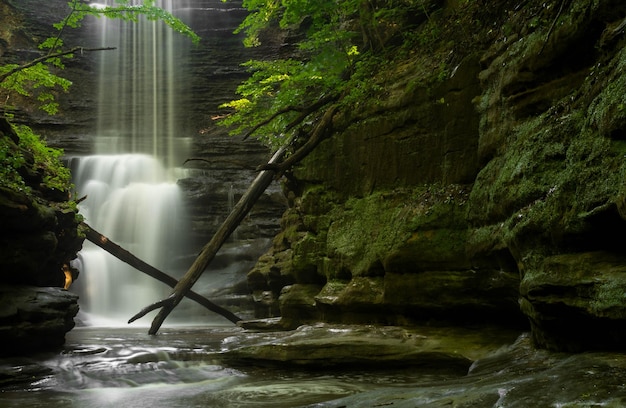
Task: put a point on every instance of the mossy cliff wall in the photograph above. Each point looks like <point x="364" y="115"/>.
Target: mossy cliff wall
<point x="487" y="186"/>
<point x="39" y="236"/>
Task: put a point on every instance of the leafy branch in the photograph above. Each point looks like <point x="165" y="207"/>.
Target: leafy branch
<point x="342" y="46"/>
<point x="125" y="12"/>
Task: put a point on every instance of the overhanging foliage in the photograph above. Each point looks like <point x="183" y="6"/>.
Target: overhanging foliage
<point x="342" y="46"/>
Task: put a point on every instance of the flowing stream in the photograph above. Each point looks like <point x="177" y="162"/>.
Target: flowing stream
<point x="184" y="367"/>
<point x="127" y="368"/>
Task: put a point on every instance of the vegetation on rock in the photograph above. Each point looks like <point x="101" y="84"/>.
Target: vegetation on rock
<point x="28" y="158"/>
<point x="520" y="105"/>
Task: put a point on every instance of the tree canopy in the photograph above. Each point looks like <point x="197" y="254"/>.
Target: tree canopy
<point x="339" y="46"/>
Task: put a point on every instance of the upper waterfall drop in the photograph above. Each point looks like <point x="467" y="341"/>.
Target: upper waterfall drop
<point x="141" y="90"/>
<point x="130" y="180"/>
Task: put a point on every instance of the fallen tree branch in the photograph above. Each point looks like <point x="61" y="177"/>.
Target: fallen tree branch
<point x="238" y="163"/>
<point x="120" y="253"/>
<point x="47" y="57"/>
<point x="241" y="209"/>
<point x="196" y="159"/>
<point x="304" y="112"/>
<point x="208" y="252"/>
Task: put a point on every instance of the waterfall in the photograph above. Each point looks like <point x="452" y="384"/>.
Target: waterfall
<point x="141" y="92"/>
<point x="130" y="180"/>
<point x="231" y="205"/>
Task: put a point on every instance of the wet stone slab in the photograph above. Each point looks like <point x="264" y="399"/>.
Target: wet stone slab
<point x="326" y="345"/>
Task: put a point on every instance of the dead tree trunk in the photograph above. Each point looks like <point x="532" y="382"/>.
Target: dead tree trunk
<point x="125" y="256"/>
<point x="245" y="204"/>
<point x="209" y="251"/>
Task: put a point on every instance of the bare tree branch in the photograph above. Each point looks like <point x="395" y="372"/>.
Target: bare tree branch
<point x="48" y="56"/>
<point x="305" y="111"/>
<point x="320" y="133"/>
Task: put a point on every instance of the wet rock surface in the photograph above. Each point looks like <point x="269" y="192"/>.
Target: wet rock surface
<point x="327" y="345"/>
<point x="518" y="376"/>
<point x="35" y="318"/>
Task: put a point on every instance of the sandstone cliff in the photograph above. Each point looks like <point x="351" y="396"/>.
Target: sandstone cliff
<point x="487" y="187"/>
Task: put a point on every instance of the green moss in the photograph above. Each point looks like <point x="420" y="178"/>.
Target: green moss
<point x="364" y="231"/>
<point x="485" y="239"/>
<point x="34" y="158"/>
<point x="307" y="258"/>
<point x="610" y="299"/>
<point x="10" y="162"/>
<point x="555" y="171"/>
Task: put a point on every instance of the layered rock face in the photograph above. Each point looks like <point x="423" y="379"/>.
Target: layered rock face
<point x="488" y="187"/>
<point x="39" y="237"/>
<point x="226" y="164"/>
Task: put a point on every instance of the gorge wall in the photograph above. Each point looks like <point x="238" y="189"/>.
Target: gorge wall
<point x="486" y="187"/>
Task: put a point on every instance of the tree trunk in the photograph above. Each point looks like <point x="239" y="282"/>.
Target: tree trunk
<point x="125" y="256"/>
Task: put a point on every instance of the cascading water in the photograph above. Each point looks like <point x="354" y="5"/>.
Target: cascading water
<point x="132" y="197"/>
